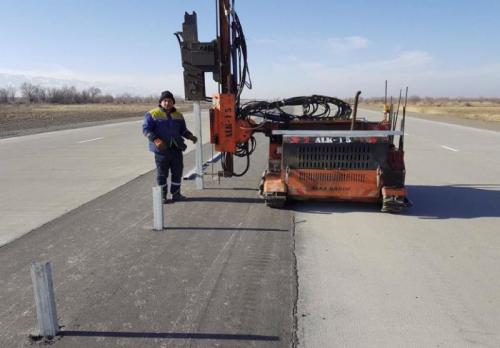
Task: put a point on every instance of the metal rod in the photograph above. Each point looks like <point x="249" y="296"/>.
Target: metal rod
<point x="386" y="106"/>
<point x="390" y="112"/>
<point x="354" y="114"/>
<point x="406" y="96"/>
<point x="391" y="117"/>
<point x="403" y="121"/>
<point x="217" y="33"/>
<point x="199" y="147"/>
<point x="397" y="112"/>
<point x="234" y="60"/>
<point x="385" y="95"/>
<point x="402" y="136"/>
<point x="157" y="208"/>
<point x="225" y="46"/>
<point x="43" y="288"/>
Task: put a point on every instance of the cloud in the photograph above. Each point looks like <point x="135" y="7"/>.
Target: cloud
<point x="348" y="43"/>
<point x="57" y="76"/>
<point x="50" y="71"/>
<point x="423" y="73"/>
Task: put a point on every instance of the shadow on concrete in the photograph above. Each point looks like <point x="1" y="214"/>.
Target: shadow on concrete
<point x="175" y="335"/>
<point x="224" y="229"/>
<point x="224" y="199"/>
<point x="454" y="201"/>
<point x="429" y="202"/>
<point x="232" y="189"/>
<point x="329" y="207"/>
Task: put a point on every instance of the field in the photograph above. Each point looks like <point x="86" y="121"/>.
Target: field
<point x="473" y="110"/>
<point x="22" y="119"/>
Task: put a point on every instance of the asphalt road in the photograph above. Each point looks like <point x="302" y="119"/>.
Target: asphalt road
<point x="223" y="271"/>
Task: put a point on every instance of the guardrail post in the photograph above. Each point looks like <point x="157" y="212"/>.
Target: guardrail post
<point x="41" y="275"/>
<point x="199" y="145"/>
<point x="157" y="208"/>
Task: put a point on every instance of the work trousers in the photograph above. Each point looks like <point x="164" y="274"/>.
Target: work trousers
<point x="169" y="161"/>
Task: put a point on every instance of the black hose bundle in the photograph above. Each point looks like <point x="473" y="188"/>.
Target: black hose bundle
<point x="313" y="108"/>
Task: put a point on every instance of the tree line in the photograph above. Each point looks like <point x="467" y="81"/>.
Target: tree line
<point x="30" y="93"/>
<point x="415" y="99"/>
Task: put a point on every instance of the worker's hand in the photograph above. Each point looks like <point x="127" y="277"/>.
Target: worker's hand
<point x="160" y="145"/>
<point x="193" y="139"/>
<point x="151" y="136"/>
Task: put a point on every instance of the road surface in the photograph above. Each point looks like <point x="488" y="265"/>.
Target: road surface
<point x="229" y="272"/>
<point x="425" y="278"/>
<point x="48" y="174"/>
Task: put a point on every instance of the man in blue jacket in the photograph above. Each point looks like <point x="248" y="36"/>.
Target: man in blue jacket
<point x="166" y="129"/>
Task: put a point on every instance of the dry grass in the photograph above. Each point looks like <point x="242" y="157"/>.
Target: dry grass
<point x="474" y="110"/>
<point x="19" y="118"/>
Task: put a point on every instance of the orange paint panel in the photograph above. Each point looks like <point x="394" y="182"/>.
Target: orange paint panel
<point x="274" y="184"/>
<point x="356" y="185"/>
<point x="223" y="123"/>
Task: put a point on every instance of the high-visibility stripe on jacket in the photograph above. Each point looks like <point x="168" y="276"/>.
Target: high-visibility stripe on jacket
<point x="169" y="127"/>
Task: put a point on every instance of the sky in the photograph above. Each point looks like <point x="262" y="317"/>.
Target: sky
<point x="439" y="48"/>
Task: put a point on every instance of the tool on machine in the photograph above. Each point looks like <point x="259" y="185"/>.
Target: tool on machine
<point x="318" y="148"/>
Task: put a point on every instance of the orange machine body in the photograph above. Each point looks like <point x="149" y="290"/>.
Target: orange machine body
<point x="225" y="130"/>
<point x="362" y="164"/>
<point x="358" y="168"/>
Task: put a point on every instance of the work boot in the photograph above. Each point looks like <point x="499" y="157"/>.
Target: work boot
<point x="164" y="195"/>
<point x="176" y="197"/>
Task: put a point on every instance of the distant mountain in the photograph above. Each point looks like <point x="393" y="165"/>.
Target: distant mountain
<point x="16" y="80"/>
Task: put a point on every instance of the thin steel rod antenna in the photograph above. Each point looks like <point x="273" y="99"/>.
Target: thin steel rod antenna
<point x="406" y="96"/>
<point x="401" y="138"/>
<point x="391" y="119"/>
<point x="390" y="111"/>
<point x="386" y="107"/>
<point x="385" y="95"/>
<point x="397" y="112"/>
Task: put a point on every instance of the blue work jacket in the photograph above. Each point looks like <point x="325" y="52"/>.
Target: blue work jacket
<point x="169" y="127"/>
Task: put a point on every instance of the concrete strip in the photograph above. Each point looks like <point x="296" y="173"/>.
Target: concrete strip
<point x="49" y="174"/>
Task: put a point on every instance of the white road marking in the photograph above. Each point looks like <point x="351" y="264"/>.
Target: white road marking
<point x="449" y="148"/>
<point x="86" y="141"/>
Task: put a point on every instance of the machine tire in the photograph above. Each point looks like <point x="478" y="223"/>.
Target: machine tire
<point x="275" y="203"/>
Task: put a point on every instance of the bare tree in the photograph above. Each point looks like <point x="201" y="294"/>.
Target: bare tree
<point x="7" y="95"/>
<point x="94" y="93"/>
<point x="3" y="96"/>
<point x="11" y="94"/>
<point x="27" y="92"/>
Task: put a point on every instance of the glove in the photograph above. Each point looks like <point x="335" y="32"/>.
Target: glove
<point x="151" y="137"/>
<point x="160" y="145"/>
<point x="193" y="139"/>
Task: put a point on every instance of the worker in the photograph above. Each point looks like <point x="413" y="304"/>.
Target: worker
<point x="165" y="129"/>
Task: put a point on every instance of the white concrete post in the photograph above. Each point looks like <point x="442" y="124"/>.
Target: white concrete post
<point x="199" y="147"/>
<point x="157" y="208"/>
<point x="43" y="288"/>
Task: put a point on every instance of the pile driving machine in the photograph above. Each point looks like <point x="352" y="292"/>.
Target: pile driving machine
<point x="318" y="148"/>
